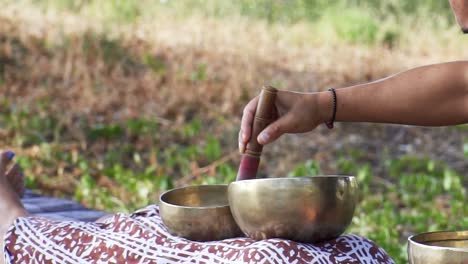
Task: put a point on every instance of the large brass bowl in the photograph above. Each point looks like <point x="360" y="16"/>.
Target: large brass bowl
<point x="439" y="247"/>
<point x="306" y="209"/>
<point x="199" y="213"/>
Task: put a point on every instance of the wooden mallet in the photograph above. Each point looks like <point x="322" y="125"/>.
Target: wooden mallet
<point x="264" y="115"/>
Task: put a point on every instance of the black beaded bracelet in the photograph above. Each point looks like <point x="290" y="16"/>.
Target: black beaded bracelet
<point x="335" y="102"/>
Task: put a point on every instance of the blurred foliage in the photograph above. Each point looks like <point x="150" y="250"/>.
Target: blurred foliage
<point x="281" y="11"/>
<point x="119" y="166"/>
<point x="310" y="168"/>
<point x="354" y="21"/>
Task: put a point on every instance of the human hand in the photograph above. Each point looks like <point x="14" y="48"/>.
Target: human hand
<point x="294" y="113"/>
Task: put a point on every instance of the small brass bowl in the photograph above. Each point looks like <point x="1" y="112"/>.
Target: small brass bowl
<point x="441" y="247"/>
<point x="199" y="213"/>
<point x="306" y="209"/>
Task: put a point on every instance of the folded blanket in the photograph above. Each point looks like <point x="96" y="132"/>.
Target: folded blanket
<point x="59" y="209"/>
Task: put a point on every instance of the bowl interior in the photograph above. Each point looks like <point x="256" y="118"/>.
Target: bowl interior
<point x="454" y="243"/>
<point x="294" y="181"/>
<point x="444" y="239"/>
<point x="203" y="196"/>
<point x="321" y="189"/>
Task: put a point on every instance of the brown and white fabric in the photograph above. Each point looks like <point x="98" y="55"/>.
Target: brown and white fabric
<point x="141" y="237"/>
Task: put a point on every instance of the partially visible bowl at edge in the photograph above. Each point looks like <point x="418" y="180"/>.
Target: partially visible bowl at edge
<point x="441" y="247"/>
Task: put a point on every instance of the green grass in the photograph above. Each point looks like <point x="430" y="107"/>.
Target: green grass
<point x="121" y="166"/>
<point x="419" y="195"/>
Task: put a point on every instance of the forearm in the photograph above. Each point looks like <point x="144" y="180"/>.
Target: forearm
<point x="434" y="95"/>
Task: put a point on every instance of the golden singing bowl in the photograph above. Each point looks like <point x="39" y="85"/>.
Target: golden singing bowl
<point x="306" y="209"/>
<point x="199" y="213"/>
<point x="442" y="247"/>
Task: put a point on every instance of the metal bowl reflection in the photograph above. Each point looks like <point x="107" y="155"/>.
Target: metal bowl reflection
<point x="199" y="213"/>
<point x="306" y="209"/>
<point x="439" y="247"/>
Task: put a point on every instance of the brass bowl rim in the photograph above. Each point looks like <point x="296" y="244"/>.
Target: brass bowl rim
<point x="193" y="207"/>
<point x="411" y="240"/>
<point x="301" y="178"/>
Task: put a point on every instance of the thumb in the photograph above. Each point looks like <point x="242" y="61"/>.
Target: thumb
<point x="274" y="130"/>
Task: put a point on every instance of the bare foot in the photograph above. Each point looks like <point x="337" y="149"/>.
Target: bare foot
<point x="15" y="178"/>
<point x="10" y="203"/>
<point x="9" y="191"/>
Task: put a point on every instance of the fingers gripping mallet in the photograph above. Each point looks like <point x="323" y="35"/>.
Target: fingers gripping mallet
<point x="263" y="117"/>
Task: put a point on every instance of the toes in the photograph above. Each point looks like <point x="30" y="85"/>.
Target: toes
<point x="5" y="158"/>
<point x="20" y="188"/>
<point x="16" y="179"/>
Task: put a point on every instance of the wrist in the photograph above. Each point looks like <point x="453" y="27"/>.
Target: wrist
<point x="325" y="106"/>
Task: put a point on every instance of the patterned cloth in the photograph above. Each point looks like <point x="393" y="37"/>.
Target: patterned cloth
<point x="141" y="237"/>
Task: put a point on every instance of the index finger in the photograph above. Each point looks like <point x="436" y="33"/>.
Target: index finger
<point x="247" y="119"/>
